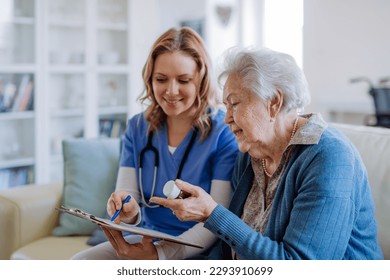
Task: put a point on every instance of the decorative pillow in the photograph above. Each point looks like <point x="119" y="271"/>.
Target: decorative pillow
<point x="90" y="171"/>
<point x="98" y="236"/>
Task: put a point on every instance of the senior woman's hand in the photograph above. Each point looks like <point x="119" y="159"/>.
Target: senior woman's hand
<point x="197" y="207"/>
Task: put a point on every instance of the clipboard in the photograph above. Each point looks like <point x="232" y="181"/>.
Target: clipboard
<point x="127" y="227"/>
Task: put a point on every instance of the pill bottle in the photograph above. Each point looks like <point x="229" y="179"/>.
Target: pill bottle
<point x="170" y="190"/>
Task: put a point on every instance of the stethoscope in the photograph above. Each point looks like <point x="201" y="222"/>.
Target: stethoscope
<point x="149" y="147"/>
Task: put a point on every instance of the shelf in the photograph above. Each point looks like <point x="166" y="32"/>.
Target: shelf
<point x="112" y="110"/>
<point x="76" y="54"/>
<point x="113" y="69"/>
<point x="65" y="113"/>
<point x="18" y="20"/>
<point x="17" y="115"/>
<point x="67" y="23"/>
<point x="17" y="68"/>
<point x="113" y="26"/>
<point x="66" y="68"/>
<point x="16" y="162"/>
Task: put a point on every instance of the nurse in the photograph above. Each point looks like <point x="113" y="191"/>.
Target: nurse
<point x="181" y="134"/>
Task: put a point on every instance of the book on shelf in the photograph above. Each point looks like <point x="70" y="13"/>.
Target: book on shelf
<point x="116" y="129"/>
<point x="111" y="128"/>
<point x="22" y="85"/>
<point x="26" y="102"/>
<point x="7" y="96"/>
<point x="16" y="96"/>
<point x="16" y="176"/>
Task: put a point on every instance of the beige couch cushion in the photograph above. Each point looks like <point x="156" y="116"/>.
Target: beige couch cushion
<point x="27" y="214"/>
<point x="52" y="248"/>
<point x="373" y="144"/>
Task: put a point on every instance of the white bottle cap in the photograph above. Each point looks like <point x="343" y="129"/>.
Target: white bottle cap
<point x="170" y="189"/>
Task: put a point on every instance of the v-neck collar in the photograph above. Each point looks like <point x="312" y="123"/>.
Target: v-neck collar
<point x="179" y="151"/>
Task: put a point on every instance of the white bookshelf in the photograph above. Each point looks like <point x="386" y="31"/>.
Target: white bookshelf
<point x="85" y="58"/>
<point x="76" y="54"/>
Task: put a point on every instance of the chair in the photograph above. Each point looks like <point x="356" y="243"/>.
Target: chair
<point x="381" y="98"/>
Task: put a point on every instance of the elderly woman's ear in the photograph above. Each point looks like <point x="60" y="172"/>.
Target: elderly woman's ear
<point x="275" y="105"/>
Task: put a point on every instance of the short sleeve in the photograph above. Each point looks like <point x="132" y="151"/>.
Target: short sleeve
<point x="132" y="137"/>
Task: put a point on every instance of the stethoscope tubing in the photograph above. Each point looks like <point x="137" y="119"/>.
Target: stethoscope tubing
<point x="153" y="186"/>
<point x="149" y="147"/>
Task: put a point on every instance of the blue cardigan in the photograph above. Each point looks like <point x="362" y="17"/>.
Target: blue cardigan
<point x="322" y="208"/>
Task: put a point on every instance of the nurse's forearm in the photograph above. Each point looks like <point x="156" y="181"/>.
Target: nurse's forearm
<point x="127" y="181"/>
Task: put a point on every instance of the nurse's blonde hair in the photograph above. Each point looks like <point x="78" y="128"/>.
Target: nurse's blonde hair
<point x="189" y="42"/>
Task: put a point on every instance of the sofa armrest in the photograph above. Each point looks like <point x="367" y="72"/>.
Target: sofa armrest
<point x="27" y="213"/>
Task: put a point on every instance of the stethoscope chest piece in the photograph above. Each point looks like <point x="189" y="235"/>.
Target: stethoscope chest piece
<point x="149" y="147"/>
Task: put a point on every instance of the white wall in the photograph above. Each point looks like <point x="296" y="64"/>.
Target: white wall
<point x="342" y="40"/>
<point x="219" y="35"/>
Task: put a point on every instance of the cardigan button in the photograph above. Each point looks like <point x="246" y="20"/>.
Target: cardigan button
<point x="219" y="232"/>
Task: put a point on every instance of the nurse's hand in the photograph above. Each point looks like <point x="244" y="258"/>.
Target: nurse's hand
<point x="197" y="207"/>
<point x="129" y="210"/>
<point x="143" y="250"/>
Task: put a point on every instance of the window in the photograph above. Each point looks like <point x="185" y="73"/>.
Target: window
<point x="283" y="23"/>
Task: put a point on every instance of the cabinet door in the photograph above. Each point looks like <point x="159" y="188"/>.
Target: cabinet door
<point x="66" y="86"/>
<point x="64" y="73"/>
<point x="113" y="66"/>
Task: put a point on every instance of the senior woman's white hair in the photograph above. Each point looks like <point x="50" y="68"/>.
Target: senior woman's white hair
<point x="265" y="72"/>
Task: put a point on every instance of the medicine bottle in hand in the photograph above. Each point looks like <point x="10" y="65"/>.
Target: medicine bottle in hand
<point x="170" y="190"/>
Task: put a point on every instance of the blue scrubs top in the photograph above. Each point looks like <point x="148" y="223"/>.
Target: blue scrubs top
<point x="211" y="159"/>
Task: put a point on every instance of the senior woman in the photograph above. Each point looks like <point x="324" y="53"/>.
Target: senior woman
<point x="301" y="189"/>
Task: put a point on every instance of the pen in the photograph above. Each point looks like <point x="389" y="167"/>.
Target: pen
<point x="127" y="199"/>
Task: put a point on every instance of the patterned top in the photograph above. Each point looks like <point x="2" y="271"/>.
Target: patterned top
<point x="259" y="202"/>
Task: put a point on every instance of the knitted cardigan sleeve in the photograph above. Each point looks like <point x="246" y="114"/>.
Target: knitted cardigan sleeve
<point x="322" y="210"/>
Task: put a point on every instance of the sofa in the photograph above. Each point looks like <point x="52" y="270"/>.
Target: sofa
<point x="31" y="227"/>
<point x="28" y="218"/>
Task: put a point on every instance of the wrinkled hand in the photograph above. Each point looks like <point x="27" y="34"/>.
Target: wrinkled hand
<point x="197" y="207"/>
<point x="144" y="250"/>
<point x="129" y="210"/>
